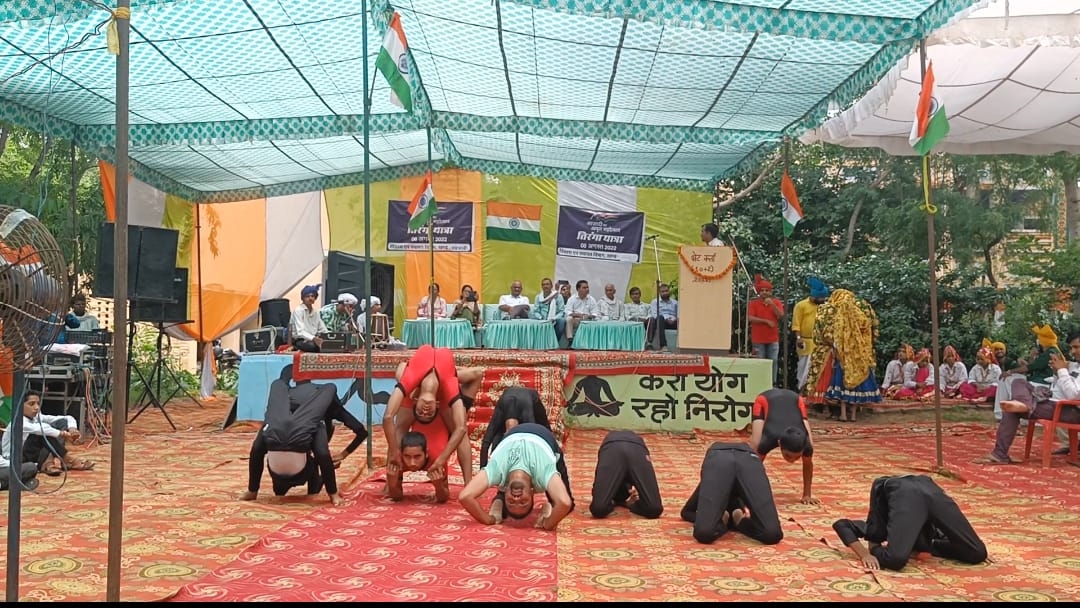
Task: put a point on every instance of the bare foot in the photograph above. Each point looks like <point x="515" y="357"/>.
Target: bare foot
<point x="725" y="518"/>
<point x="739" y="514"/>
<point x="1014" y="407"/>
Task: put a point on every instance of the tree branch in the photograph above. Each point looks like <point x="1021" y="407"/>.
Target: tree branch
<point x="4" y="134"/>
<point x="754" y="185"/>
<point x="854" y="219"/>
<point x="989" y="259"/>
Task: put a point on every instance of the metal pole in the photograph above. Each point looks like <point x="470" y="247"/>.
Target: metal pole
<point x="74" y="222"/>
<point x="431" y="248"/>
<point x="367" y="233"/>
<point x="120" y="313"/>
<point x="11" y="590"/>
<point x="785" y="330"/>
<point x="932" y="260"/>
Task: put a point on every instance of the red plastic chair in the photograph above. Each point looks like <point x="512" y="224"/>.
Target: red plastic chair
<point x="1050" y="428"/>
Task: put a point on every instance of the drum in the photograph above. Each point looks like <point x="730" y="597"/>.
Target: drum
<point x="380" y="328"/>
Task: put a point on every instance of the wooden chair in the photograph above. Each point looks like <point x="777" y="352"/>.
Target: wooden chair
<point x="1050" y="428"/>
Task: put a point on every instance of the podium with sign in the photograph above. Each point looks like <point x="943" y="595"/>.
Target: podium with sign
<point x="705" y="283"/>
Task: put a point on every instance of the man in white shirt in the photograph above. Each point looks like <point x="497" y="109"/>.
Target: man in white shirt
<point x="306" y="323"/>
<point x="87" y="321"/>
<point x="635" y="309"/>
<point x="580" y="307"/>
<point x="1064" y="386"/>
<point x="514" y="305"/>
<point x="709" y="234"/>
<point x="610" y="309"/>
<point x="44" y="438"/>
<point x="669" y="316"/>
<point x="549" y="305"/>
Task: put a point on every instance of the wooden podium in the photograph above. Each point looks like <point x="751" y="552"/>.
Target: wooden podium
<point x="705" y="282"/>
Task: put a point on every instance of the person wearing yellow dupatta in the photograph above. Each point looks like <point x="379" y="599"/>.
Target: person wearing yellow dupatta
<point x="843" y="361"/>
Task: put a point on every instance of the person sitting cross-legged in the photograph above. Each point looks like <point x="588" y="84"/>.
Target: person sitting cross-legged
<point x="45" y="439"/>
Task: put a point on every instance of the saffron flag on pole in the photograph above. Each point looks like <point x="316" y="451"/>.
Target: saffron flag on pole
<point x="931" y="124"/>
<point x="423" y="206"/>
<point x="394" y="65"/>
<point x="513" y="222"/>
<point x="791" y="210"/>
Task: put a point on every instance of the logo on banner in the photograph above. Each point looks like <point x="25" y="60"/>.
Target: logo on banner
<point x="452" y="228"/>
<point x="600" y="235"/>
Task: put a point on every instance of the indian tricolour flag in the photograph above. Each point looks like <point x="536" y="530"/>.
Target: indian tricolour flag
<point x="394" y="65"/>
<point x="513" y="222"/>
<point x="423" y="206"/>
<point x="791" y="211"/>
<point x="931" y="125"/>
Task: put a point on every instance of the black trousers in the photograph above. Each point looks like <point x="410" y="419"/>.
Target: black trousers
<point x="308" y="346"/>
<point x="621" y="463"/>
<point x="39" y="448"/>
<point x="651" y="327"/>
<point x="27" y="471"/>
<point x="560" y="460"/>
<point x="732" y="476"/>
<point x="915" y="511"/>
<point x="516" y="403"/>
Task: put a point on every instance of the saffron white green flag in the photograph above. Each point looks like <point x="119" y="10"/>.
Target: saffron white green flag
<point x="423" y="206"/>
<point x="513" y="222"/>
<point x="931" y="125"/>
<point x="394" y="64"/>
<point x="791" y="210"/>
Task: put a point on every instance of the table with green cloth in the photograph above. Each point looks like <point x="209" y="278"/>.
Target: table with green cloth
<point x="520" y="334"/>
<point x="449" y="333"/>
<point x="610" y="335"/>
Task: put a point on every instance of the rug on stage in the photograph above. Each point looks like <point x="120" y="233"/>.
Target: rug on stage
<point x="1026" y="516"/>
<point x="613" y="363"/>
<point x="318" y="366"/>
<point x="373" y="549"/>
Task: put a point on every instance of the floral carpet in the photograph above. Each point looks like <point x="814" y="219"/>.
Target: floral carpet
<point x="182" y="522"/>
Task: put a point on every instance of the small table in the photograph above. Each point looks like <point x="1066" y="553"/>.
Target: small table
<point x="610" y="335"/>
<point x="520" y="334"/>
<point x="449" y="333"/>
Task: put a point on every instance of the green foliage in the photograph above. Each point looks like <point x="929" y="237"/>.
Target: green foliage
<point x="174" y="378"/>
<point x="228" y="381"/>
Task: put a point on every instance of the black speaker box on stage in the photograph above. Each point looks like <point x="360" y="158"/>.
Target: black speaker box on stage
<point x="345" y="274"/>
<point x="163" y="312"/>
<point x="151" y="260"/>
<point x="275" y="313"/>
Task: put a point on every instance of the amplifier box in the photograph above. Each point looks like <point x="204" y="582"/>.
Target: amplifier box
<point x="69" y="354"/>
<point x="262" y="340"/>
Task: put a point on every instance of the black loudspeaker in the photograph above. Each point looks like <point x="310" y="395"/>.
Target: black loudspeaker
<point x="162" y="312"/>
<point x="151" y="260"/>
<point x="345" y="274"/>
<point x="275" y="313"/>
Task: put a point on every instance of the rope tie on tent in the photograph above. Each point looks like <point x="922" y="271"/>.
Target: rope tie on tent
<point x="113" y="38"/>
<point x="927" y="205"/>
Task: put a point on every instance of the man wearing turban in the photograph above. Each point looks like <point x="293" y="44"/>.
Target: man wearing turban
<point x="306" y="324"/>
<point x="802" y="325"/>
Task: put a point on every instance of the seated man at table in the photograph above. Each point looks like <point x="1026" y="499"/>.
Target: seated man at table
<point x="295" y="440"/>
<point x="609" y="307"/>
<point x="779" y="421"/>
<point x="734" y="493"/>
<point x="669" y="317"/>
<point x="527" y="459"/>
<point x="635" y="309"/>
<point x="549" y="306"/>
<point x="580" y="307"/>
<point x="416" y="450"/>
<point x="910" y="514"/>
<point x="514" y="305"/>
<point x="625" y="476"/>
<point x="428" y="386"/>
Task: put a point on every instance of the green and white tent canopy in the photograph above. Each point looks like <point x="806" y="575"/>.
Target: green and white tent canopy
<point x="236" y="99"/>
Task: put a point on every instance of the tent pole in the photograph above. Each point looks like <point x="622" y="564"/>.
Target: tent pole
<point x="72" y="200"/>
<point x="431" y="247"/>
<point x="367" y="235"/>
<point x="120" y="297"/>
<point x="932" y="261"/>
<point x="784" y="349"/>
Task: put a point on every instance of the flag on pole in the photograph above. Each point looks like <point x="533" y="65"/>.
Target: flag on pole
<point x="423" y="206"/>
<point x="394" y="64"/>
<point x="791" y="209"/>
<point x="931" y="125"/>
<point x="513" y="222"/>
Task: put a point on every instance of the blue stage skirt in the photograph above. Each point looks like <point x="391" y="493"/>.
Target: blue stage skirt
<point x="867" y="392"/>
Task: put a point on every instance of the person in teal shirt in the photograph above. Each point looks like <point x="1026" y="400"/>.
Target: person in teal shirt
<point x="527" y="459"/>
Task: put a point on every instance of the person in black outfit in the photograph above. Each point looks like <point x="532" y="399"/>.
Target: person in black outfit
<point x="517" y="405"/>
<point x="910" y="513"/>
<point x="625" y="476"/>
<point x="295" y="439"/>
<point x="733" y="492"/>
<point x="779" y="421"/>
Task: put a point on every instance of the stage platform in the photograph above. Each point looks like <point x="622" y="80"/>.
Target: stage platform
<point x="647" y="391"/>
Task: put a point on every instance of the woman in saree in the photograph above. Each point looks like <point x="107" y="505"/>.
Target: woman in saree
<point x="843" y="361"/>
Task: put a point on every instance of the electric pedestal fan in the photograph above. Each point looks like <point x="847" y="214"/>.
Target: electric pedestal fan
<point x="33" y="301"/>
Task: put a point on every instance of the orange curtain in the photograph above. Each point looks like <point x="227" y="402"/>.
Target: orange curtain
<point x="452" y="270"/>
<point x="228" y="257"/>
<point x="108" y="188"/>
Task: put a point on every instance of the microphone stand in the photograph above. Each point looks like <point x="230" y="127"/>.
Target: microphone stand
<point x="749" y="287"/>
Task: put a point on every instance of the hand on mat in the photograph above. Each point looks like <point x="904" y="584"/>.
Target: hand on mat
<point x="249" y="495"/>
<point x="810" y="500"/>
<point x="871" y="562"/>
<point x="496" y="512"/>
<point x="545" y="513"/>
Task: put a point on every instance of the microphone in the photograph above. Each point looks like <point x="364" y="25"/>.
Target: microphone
<point x="650" y="237"/>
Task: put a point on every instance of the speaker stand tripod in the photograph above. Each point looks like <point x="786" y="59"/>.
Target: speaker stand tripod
<point x="152" y="382"/>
